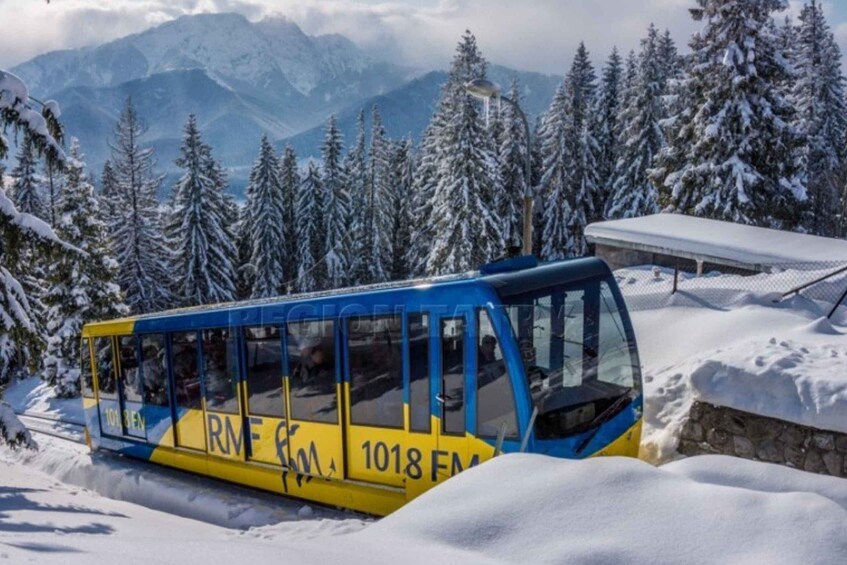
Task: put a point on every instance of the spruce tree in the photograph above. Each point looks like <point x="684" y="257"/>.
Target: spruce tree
<point x="821" y="117"/>
<point x="512" y="163"/>
<point x="422" y="199"/>
<point x="355" y="171"/>
<point x="289" y="177"/>
<point x="401" y="166"/>
<point x="199" y="226"/>
<point x="137" y="235"/>
<point x="732" y="156"/>
<point x="556" y="239"/>
<point x="607" y="131"/>
<point x="311" y="274"/>
<point x="264" y="222"/>
<point x="26" y="190"/>
<point x="377" y="232"/>
<point x="465" y="227"/>
<point x="82" y="287"/>
<point x="337" y="205"/>
<point x="108" y="195"/>
<point x="633" y="191"/>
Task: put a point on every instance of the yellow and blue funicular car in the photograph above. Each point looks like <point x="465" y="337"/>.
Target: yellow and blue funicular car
<point x="364" y="398"/>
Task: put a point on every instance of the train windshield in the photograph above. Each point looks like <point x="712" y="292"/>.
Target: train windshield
<point x="577" y="358"/>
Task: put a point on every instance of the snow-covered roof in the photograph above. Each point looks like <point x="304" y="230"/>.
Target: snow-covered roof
<point x="716" y="241"/>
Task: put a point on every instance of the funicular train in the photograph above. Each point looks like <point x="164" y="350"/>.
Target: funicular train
<point x="364" y="398"/>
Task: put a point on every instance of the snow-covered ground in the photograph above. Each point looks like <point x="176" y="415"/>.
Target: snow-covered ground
<point x="608" y="510"/>
<point x="718" y="342"/>
<point x="36" y="396"/>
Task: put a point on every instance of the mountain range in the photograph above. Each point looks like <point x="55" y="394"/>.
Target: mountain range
<point x="241" y="79"/>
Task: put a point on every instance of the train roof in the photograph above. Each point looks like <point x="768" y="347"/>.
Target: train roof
<point x="509" y="277"/>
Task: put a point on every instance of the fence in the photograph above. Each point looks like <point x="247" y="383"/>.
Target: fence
<point x="819" y="286"/>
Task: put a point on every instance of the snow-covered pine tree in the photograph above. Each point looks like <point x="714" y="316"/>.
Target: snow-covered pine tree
<point x="26" y="191"/>
<point x="82" y="288"/>
<point x="421" y="198"/>
<point x="355" y="171"/>
<point x="607" y="110"/>
<point x="401" y="167"/>
<point x="570" y="170"/>
<point x="264" y="218"/>
<point x="289" y="177"/>
<point x="108" y="194"/>
<point x="53" y="181"/>
<point x="466" y="229"/>
<point x="512" y="163"/>
<point x="669" y="61"/>
<point x="732" y="157"/>
<point x="378" y="211"/>
<point x="137" y="237"/>
<point x="556" y="239"/>
<point x="337" y="205"/>
<point x="20" y="232"/>
<point x="821" y="118"/>
<point x="633" y="191"/>
<point x="198" y="227"/>
<point x="311" y="273"/>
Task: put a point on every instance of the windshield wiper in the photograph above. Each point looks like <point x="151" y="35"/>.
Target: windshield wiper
<point x="602" y="418"/>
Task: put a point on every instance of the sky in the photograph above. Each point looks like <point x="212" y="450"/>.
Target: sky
<point x="537" y="35"/>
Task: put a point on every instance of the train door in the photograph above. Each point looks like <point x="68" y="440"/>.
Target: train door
<point x="313" y="389"/>
<point x="374" y="410"/>
<point x="262" y="362"/>
<point x="129" y="387"/>
<point x="221" y="395"/>
<point x="156" y="409"/>
<point x="454" y="353"/>
<point x="106" y="372"/>
<point x="423" y="411"/>
<point x="184" y="352"/>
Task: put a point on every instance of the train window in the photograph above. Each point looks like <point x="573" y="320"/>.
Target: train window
<point x="376" y="371"/>
<point x="263" y="357"/>
<point x="311" y="366"/>
<point x="86" y="377"/>
<point x="494" y="396"/>
<point x="220" y="370"/>
<point x="130" y="379"/>
<point x="185" y="368"/>
<point x="453" y="375"/>
<point x="154" y="369"/>
<point x="107" y="382"/>
<point x="614" y="357"/>
<point x="419" y="372"/>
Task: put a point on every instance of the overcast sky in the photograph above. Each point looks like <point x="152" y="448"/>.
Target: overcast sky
<point x="537" y="35"/>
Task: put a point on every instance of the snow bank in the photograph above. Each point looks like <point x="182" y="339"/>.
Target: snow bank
<point x="718" y="342"/>
<point x="163" y="489"/>
<point x="36" y="396"/>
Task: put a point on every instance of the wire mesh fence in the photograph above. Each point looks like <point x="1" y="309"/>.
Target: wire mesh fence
<point x="819" y="286"/>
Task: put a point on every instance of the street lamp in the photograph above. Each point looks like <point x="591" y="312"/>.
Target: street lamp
<point x="485" y="89"/>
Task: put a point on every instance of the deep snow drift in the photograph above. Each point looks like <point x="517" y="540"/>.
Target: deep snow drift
<point x="514" y="509"/>
<point x="718" y="342"/>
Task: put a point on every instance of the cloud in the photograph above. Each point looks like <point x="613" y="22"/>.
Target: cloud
<point x="536" y="35"/>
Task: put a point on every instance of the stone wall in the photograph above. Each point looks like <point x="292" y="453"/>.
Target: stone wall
<point x="726" y="431"/>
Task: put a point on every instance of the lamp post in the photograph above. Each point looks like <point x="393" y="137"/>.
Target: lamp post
<point x="485" y="89"/>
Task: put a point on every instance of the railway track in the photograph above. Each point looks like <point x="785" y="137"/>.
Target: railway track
<point x="52" y="426"/>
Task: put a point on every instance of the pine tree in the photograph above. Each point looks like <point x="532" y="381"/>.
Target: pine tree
<point x="137" y="236"/>
<point x="634" y="194"/>
<point x="377" y="232"/>
<point x="108" y="195"/>
<point x="355" y="171"/>
<point x="199" y="226"/>
<point x="337" y="205"/>
<point x="311" y="274"/>
<point x="512" y="163"/>
<point x="607" y="130"/>
<point x="669" y="62"/>
<point x="731" y="158"/>
<point x="264" y="222"/>
<point x="401" y="166"/>
<point x="570" y="170"/>
<point x="422" y="199"/>
<point x="466" y="229"/>
<point x="82" y="287"/>
<point x="53" y="181"/>
<point x="289" y="177"/>
<point x="821" y="117"/>
<point x="26" y="192"/>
